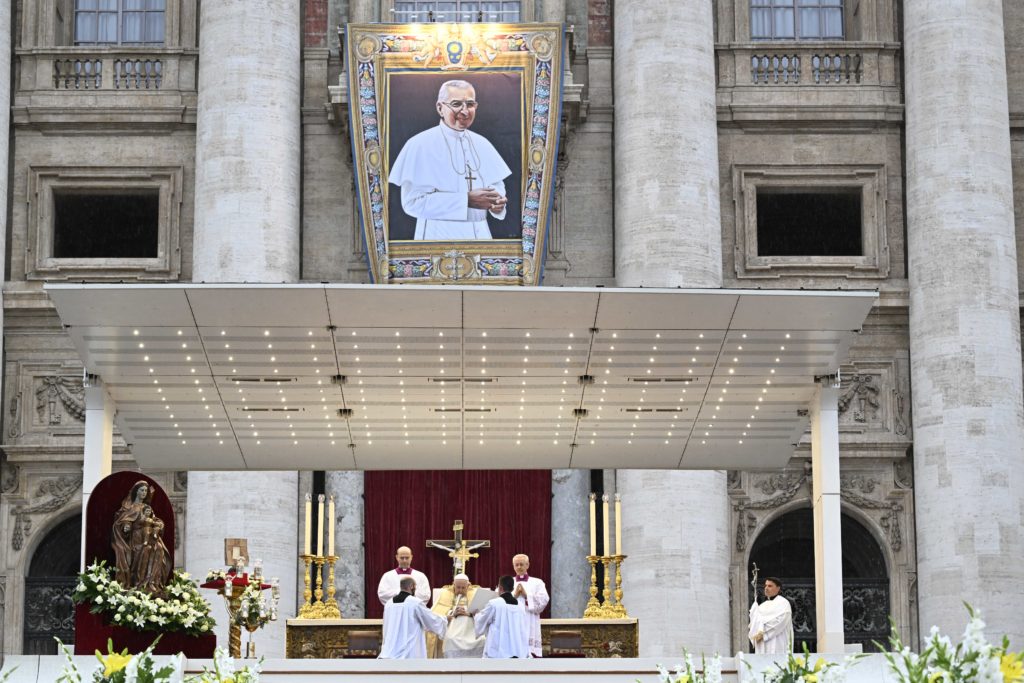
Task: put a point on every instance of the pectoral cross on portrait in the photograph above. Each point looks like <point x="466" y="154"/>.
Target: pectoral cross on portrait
<point x="469" y="178"/>
<point x="458" y="548"/>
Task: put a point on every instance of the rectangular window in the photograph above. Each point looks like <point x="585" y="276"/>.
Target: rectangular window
<point x="119" y="22"/>
<point x="505" y="11"/>
<point x="800" y="19"/>
<point x="809" y="222"/>
<point x="106" y="225"/>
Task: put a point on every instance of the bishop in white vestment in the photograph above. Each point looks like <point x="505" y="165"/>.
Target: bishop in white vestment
<point x="461" y="641"/>
<point x="771" y="622"/>
<point x="389" y="582"/>
<point x="451" y="178"/>
<point x="502" y="622"/>
<point x="406" y="619"/>
<point x="532" y="595"/>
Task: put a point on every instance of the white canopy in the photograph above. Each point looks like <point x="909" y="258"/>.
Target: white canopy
<point x="318" y="376"/>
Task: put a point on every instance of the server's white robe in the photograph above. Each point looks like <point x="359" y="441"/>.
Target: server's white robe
<point x="405" y="624"/>
<point x="502" y="623"/>
<point x="431" y="169"/>
<point x="389" y="585"/>
<point x="775" y="618"/>
<point x="532" y="604"/>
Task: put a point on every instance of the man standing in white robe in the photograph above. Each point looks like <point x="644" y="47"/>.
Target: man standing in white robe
<point x="771" y="622"/>
<point x="406" y="619"/>
<point x="451" y="177"/>
<point x="502" y="622"/>
<point x="532" y="595"/>
<point x="389" y="582"/>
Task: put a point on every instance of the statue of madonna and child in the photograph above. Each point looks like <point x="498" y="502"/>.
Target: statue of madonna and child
<point x="141" y="558"/>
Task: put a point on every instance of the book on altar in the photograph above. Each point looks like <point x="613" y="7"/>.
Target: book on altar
<point x="480" y="600"/>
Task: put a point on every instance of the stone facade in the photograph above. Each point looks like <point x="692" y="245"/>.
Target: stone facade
<point x="102" y="117"/>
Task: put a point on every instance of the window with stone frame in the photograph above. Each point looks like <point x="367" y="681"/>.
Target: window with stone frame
<point x="497" y="11"/>
<point x="119" y="22"/>
<point x="796" y="19"/>
<point x="810" y="220"/>
<point x="104" y="223"/>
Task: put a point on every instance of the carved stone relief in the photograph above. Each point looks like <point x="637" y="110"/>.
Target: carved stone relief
<point x="873" y="398"/>
<point x="8" y="477"/>
<point x="59" y="399"/>
<point x="46" y="400"/>
<point x="181" y="481"/>
<point x="54" y="494"/>
<point x="860" y="398"/>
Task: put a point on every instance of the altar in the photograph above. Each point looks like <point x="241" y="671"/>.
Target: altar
<point x="360" y="638"/>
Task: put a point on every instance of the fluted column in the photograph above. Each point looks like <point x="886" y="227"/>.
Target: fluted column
<point x="667" y="230"/>
<point x="248" y="136"/>
<point x="964" y="317"/>
<point x="667" y="234"/>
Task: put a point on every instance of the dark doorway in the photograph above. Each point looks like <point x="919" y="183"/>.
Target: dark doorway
<point x="786" y="549"/>
<point x="52" y="575"/>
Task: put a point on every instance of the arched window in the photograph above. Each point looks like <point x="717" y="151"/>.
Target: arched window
<point x="119" y="22"/>
<point x="502" y="11"/>
<point x="796" y="19"/>
<point x="786" y="549"/>
<point x="51" y="580"/>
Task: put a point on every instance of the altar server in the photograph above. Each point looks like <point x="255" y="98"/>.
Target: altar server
<point x="502" y="621"/>
<point x="771" y="622"/>
<point x="406" y="619"/>
<point x="389" y="582"/>
<point x="532" y="595"/>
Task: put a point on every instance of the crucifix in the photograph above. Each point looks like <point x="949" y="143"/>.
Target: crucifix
<point x="458" y="548"/>
<point x="469" y="177"/>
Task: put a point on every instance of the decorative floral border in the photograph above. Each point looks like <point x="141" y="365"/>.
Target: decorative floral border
<point x="538" y="47"/>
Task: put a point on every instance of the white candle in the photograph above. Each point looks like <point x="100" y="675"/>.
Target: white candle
<point x="330" y="541"/>
<point x="593" y="524"/>
<point x="320" y="526"/>
<point x="618" y="524"/>
<point x="604" y="503"/>
<point x="309" y="523"/>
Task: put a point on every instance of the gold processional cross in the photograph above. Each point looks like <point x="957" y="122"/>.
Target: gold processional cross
<point x="458" y="548"/>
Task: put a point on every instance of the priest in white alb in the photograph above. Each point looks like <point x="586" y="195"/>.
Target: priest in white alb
<point x="451" y="178"/>
<point x="502" y="622"/>
<point x="532" y="595"/>
<point x="389" y="582"/>
<point x="406" y="620"/>
<point x="771" y="622"/>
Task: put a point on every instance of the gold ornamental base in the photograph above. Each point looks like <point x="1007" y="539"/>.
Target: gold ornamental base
<point x="605" y="608"/>
<point x="319" y="608"/>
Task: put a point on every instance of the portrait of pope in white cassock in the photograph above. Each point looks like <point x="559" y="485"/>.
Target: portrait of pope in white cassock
<point x="448" y="182"/>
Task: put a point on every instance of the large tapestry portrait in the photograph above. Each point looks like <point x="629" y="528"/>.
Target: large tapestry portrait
<point x="454" y="137"/>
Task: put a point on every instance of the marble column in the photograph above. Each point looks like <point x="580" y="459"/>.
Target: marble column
<point x="552" y="11"/>
<point x="350" y="573"/>
<point x="668" y="234"/>
<point x="964" y="317"/>
<point x="364" y="11"/>
<point x="5" y="146"/>
<point x="570" y="531"/>
<point x="667" y="230"/>
<point x="248" y="136"/>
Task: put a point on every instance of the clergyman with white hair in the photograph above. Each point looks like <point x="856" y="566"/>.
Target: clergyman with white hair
<point x="452" y="180"/>
<point x="461" y="640"/>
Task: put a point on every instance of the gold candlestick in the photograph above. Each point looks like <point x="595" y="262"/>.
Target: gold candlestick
<point x="620" y="609"/>
<point x="593" y="610"/>
<point x="606" y="593"/>
<point x="318" y="606"/>
<point x="331" y="610"/>
<point x="307" y="611"/>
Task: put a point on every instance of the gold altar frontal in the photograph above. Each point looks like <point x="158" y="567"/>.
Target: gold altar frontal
<point x="343" y="638"/>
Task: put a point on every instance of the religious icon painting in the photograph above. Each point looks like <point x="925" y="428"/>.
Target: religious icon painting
<point x="455" y="130"/>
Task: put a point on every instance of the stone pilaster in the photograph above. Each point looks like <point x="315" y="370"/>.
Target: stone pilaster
<point x="570" y="572"/>
<point x="964" y="318"/>
<point x="350" y="573"/>
<point x="248" y="136"/>
<point x="668" y="234"/>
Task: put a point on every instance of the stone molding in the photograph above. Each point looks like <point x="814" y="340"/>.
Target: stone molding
<point x="870" y="178"/>
<point x="40" y="264"/>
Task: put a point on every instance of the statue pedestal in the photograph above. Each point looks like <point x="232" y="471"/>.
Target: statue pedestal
<point x="93" y="630"/>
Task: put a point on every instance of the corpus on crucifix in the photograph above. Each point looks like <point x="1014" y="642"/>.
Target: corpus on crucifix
<point x="458" y="548"/>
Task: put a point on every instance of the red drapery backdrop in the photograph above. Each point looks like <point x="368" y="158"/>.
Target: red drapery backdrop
<point x="510" y="508"/>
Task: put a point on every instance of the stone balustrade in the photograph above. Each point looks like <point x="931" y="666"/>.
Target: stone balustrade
<point x="107" y="69"/>
<point x="814" y="64"/>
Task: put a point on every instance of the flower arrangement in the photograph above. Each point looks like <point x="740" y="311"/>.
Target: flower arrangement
<point x="253" y="611"/>
<point x="121" y="667"/>
<point x="799" y="668"/>
<point x="224" y="671"/>
<point x="180" y="608"/>
<point x="973" y="660"/>
<point x="711" y="672"/>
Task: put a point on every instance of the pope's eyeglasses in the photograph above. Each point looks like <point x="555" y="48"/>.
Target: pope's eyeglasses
<point x="458" y="105"/>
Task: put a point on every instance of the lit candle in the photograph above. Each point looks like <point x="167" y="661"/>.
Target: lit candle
<point x="320" y="526"/>
<point x="604" y="503"/>
<point x="593" y="524"/>
<point x="618" y="524"/>
<point x="330" y="541"/>
<point x="309" y="523"/>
